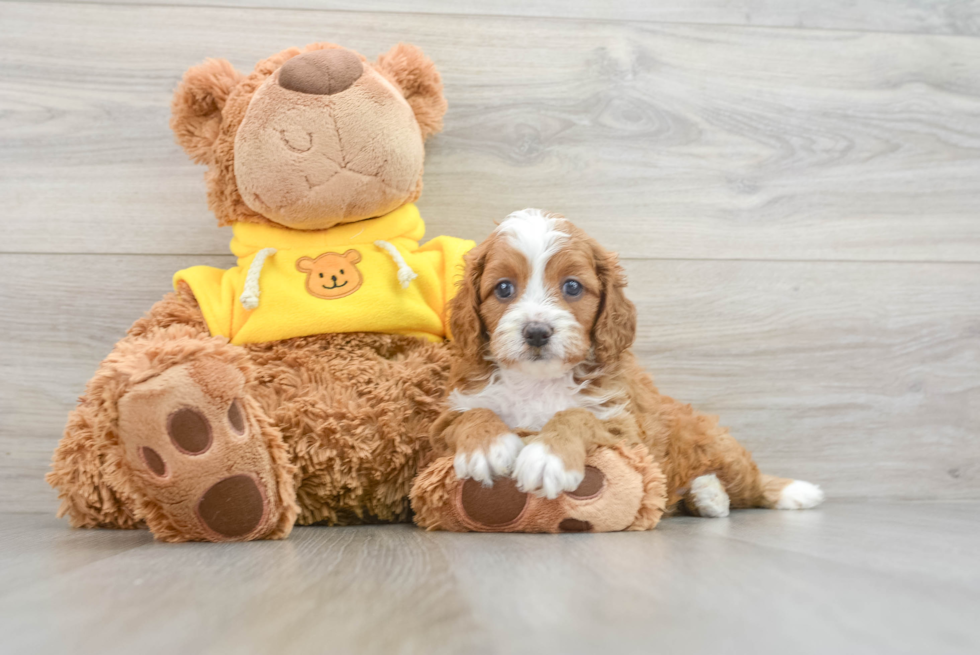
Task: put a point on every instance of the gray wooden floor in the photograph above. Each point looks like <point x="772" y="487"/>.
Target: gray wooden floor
<point x="849" y="578"/>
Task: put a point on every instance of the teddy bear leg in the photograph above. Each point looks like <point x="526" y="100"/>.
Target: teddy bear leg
<point x="77" y="473"/>
<point x="79" y="466"/>
<point x="169" y="435"/>
<point x="201" y="458"/>
<point x="623" y="489"/>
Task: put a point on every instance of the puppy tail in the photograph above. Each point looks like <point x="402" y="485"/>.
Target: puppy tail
<point x="783" y="493"/>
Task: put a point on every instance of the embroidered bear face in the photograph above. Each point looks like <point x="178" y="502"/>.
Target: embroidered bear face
<point x="332" y="275"/>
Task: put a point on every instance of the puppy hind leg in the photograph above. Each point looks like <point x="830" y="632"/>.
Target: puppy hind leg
<point x="747" y="487"/>
<point x="707" y="497"/>
<point x="709" y="450"/>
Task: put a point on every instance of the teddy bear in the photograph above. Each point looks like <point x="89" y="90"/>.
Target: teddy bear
<point x="299" y="386"/>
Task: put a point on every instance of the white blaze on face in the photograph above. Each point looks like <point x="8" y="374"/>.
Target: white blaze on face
<point x="537" y="237"/>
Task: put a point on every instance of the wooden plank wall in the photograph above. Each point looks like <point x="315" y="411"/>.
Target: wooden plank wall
<point x="794" y="188"/>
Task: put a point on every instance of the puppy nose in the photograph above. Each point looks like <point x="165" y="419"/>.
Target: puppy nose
<point x="537" y="334"/>
<point x="321" y="72"/>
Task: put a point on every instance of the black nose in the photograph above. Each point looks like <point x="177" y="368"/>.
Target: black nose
<point x="537" y="334"/>
<point x="333" y="277"/>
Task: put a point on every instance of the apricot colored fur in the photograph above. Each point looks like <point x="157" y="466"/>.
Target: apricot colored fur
<point x="684" y="443"/>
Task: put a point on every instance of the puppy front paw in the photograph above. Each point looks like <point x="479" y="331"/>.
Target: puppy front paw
<point x="540" y="471"/>
<point x="494" y="460"/>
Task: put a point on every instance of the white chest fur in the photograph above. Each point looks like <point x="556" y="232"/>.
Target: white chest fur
<point x="526" y="402"/>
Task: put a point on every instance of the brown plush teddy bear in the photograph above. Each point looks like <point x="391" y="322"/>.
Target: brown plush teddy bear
<point x="300" y="385"/>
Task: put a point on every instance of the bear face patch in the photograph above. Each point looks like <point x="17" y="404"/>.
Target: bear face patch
<point x="332" y="275"/>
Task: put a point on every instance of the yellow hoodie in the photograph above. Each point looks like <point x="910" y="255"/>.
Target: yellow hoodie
<point x="368" y="276"/>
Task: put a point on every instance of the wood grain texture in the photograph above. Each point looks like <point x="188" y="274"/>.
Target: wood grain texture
<point x="861" y="377"/>
<point x="671" y="141"/>
<point x="916" y="16"/>
<point x="760" y="581"/>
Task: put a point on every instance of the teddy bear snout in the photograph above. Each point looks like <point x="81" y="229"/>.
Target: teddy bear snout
<point x="321" y="72"/>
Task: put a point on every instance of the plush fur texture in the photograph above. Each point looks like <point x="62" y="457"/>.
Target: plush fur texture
<point x="376" y="169"/>
<point x="630" y="496"/>
<point x="543" y="332"/>
<point x="330" y="428"/>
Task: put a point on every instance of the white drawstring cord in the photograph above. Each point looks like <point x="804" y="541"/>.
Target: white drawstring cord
<point x="405" y="272"/>
<point x="250" y="295"/>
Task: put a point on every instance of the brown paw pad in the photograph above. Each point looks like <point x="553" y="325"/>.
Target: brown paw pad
<point x="592" y="484"/>
<point x="189" y="430"/>
<point x="153" y="461"/>
<point x="493" y="506"/>
<point x="574" y="525"/>
<point x="233" y="507"/>
<point x="236" y="417"/>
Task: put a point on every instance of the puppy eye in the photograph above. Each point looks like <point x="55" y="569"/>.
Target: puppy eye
<point x="572" y="288"/>
<point x="504" y="289"/>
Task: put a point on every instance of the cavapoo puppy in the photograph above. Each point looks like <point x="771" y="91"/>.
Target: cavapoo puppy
<point x="543" y="334"/>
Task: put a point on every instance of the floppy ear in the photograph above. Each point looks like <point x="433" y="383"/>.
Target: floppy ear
<point x="304" y="264"/>
<point x="420" y="83"/>
<point x="465" y="324"/>
<point x="352" y="256"/>
<point x="197" y="104"/>
<point x="615" y="325"/>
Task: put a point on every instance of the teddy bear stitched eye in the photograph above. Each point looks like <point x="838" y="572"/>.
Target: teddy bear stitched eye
<point x="321" y="274"/>
<point x="572" y="288"/>
<point x="504" y="289"/>
<point x="341" y="271"/>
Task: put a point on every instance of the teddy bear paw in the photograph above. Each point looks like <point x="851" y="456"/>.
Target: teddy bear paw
<point x="608" y="497"/>
<point x="199" y="463"/>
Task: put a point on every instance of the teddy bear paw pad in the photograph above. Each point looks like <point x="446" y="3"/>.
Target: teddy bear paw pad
<point x="197" y="456"/>
<point x="492" y="507"/>
<point x="232" y="507"/>
<point x="591" y="486"/>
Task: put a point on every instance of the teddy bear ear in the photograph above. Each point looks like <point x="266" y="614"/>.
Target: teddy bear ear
<point x="304" y="264"/>
<point x="197" y="104"/>
<point x="352" y="256"/>
<point x="420" y="83"/>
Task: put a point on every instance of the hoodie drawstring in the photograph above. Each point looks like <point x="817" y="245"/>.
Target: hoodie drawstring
<point x="250" y="293"/>
<point x="405" y="272"/>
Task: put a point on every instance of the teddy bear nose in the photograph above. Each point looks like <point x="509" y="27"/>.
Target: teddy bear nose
<point x="321" y="72"/>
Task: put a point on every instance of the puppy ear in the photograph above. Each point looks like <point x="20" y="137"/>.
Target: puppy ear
<point x="197" y="104"/>
<point x="465" y="324"/>
<point x="615" y="325"/>
<point x="420" y="83"/>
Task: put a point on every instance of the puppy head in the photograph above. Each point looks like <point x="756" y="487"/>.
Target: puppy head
<point x="542" y="297"/>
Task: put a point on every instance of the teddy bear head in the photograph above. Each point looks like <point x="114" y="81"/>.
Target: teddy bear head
<point x="312" y="138"/>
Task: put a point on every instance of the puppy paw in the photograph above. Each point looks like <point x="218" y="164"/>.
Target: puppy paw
<point x="799" y="495"/>
<point x="495" y="460"/>
<point x="541" y="472"/>
<point x="709" y="497"/>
